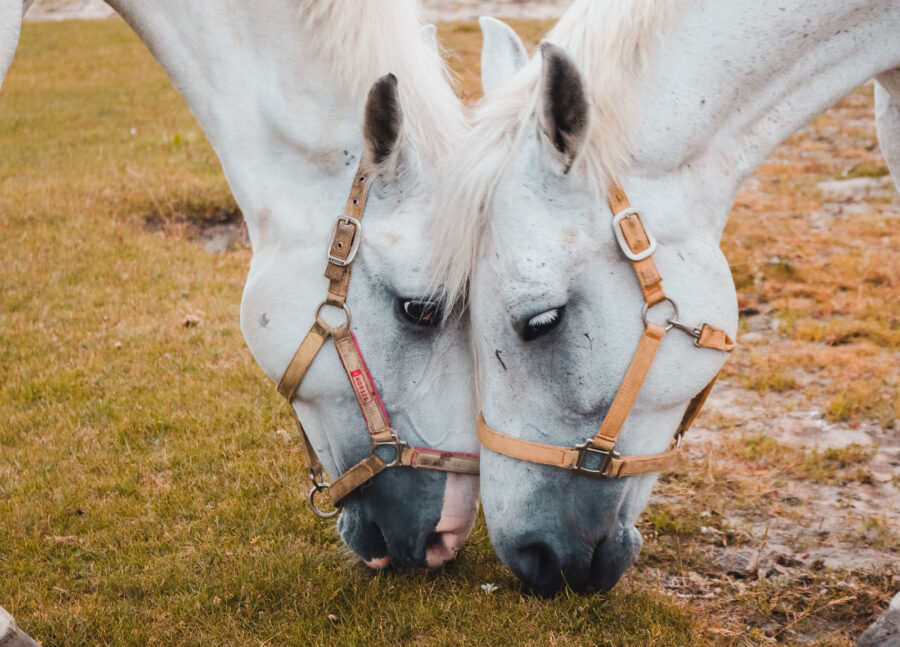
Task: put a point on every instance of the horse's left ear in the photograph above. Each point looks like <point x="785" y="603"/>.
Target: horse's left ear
<point x="563" y="113"/>
<point x="383" y="123"/>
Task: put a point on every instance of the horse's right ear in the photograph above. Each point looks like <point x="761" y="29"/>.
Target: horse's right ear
<point x="563" y="113"/>
<point x="502" y="54"/>
<point x="383" y="123"/>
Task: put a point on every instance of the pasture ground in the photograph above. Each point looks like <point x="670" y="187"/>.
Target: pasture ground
<point x="148" y="492"/>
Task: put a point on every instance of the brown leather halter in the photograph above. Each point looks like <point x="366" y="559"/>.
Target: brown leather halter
<point x="597" y="456"/>
<point x="342" y="251"/>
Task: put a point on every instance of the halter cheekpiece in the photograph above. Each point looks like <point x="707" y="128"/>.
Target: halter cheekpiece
<point x="386" y="448"/>
<point x="597" y="456"/>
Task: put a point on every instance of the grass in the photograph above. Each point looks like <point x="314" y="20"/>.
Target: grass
<point x="148" y="495"/>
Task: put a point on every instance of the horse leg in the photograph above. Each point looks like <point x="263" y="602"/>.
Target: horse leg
<point x="10" y="634"/>
<point x="886" y="631"/>
<point x="887" y="119"/>
<point x="11" y="13"/>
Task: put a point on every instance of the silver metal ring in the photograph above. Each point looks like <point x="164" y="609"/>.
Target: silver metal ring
<point x="324" y="323"/>
<point x="396" y="444"/>
<point x="669" y="320"/>
<point x="313" y="491"/>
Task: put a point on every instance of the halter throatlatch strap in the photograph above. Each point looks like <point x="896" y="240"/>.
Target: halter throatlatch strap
<point x="597" y="456"/>
<point x="345" y="241"/>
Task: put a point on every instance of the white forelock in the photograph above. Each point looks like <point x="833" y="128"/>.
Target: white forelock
<point x="611" y="41"/>
<point x="351" y="35"/>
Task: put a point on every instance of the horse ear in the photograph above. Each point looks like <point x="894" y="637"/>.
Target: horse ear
<point x="383" y="122"/>
<point x="563" y="114"/>
<point x="502" y="54"/>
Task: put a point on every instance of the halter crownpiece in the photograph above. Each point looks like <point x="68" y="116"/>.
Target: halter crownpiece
<point x="597" y="456"/>
<point x="345" y="241"/>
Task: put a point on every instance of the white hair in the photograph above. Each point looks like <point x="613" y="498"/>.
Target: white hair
<point x="367" y="39"/>
<point x="611" y="41"/>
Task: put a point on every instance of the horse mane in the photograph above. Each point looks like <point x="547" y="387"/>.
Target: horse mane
<point x="611" y="41"/>
<point x="353" y="36"/>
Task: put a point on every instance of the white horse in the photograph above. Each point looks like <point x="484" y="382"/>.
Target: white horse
<point x="678" y="102"/>
<point x="279" y="89"/>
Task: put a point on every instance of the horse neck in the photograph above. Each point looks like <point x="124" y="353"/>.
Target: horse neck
<point x="260" y="79"/>
<point x="731" y="80"/>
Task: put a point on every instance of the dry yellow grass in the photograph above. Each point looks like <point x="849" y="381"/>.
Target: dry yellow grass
<point x="146" y="495"/>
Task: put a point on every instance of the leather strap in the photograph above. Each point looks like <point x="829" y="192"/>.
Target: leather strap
<point x="361" y="381"/>
<point x="433" y="459"/>
<point x="345" y="242"/>
<point x="346" y="239"/>
<point x="302" y="360"/>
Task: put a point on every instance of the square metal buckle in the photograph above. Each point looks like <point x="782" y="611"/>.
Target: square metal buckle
<point x="587" y="448"/>
<point x="396" y="446"/>
<point x="354" y="243"/>
<point x="620" y="237"/>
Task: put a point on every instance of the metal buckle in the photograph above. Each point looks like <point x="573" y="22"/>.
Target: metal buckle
<point x="354" y="243"/>
<point x="623" y="244"/>
<point x="314" y="490"/>
<point x="586" y="448"/>
<point x="394" y="443"/>
<point x="683" y="327"/>
<point x="671" y="322"/>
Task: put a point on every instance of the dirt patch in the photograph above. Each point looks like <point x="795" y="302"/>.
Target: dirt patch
<point x="218" y="228"/>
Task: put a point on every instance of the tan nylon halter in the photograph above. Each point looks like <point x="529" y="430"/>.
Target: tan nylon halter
<point x="638" y="245"/>
<point x="342" y="251"/>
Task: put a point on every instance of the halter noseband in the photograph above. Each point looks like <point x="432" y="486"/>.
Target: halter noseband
<point x="345" y="241"/>
<point x="597" y="456"/>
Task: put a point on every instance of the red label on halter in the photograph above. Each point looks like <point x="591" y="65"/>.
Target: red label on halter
<point x="361" y="386"/>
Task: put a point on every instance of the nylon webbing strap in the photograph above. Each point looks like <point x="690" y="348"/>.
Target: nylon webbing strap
<point x="567" y="457"/>
<point x="637" y="245"/>
<point x="714" y="338"/>
<point x="627" y="394"/>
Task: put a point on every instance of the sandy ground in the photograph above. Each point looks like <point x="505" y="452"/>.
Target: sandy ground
<point x="435" y="10"/>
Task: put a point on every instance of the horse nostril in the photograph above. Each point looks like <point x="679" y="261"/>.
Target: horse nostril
<point x="441" y="547"/>
<point x="538" y="565"/>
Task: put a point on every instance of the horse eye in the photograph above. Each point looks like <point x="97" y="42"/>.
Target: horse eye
<point x="543" y="323"/>
<point x="422" y="312"/>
